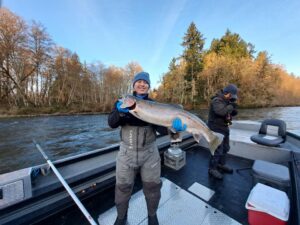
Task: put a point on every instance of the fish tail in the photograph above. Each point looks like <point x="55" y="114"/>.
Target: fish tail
<point x="216" y="141"/>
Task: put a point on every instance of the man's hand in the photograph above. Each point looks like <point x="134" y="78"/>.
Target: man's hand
<point x="177" y="125"/>
<point x="121" y="110"/>
<point x="234" y="104"/>
<point x="228" y="119"/>
<point x="234" y="112"/>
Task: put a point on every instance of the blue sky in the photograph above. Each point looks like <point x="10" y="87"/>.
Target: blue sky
<point x="150" y="32"/>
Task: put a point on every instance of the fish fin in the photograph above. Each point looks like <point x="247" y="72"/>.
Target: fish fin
<point x="214" y="144"/>
<point x="127" y="102"/>
<point x="179" y="106"/>
<point x="197" y="137"/>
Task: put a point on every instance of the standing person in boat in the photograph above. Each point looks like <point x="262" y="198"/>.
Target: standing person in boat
<point x="222" y="108"/>
<point x="138" y="153"/>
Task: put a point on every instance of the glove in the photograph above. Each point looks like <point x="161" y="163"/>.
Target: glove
<point x="228" y="119"/>
<point x="234" y="112"/>
<point x="234" y="105"/>
<point x="232" y="100"/>
<point x="121" y="110"/>
<point x="177" y="125"/>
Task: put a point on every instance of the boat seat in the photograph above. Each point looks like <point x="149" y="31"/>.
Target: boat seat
<point x="269" y="138"/>
<point x="271" y="174"/>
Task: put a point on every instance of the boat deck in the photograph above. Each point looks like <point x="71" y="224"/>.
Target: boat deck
<point x="230" y="193"/>
<point x="229" y="196"/>
<point x="189" y="195"/>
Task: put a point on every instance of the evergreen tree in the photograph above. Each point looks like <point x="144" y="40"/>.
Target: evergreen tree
<point x="193" y="42"/>
<point x="232" y="45"/>
<point x="172" y="65"/>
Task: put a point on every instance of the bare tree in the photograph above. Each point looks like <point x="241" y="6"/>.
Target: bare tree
<point x="40" y="45"/>
<point x="14" y="60"/>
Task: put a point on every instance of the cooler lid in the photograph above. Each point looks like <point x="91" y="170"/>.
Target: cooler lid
<point x="269" y="200"/>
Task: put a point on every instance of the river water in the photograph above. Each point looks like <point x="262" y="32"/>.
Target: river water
<point x="63" y="136"/>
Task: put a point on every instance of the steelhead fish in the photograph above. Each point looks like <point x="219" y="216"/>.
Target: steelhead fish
<point x="163" y="115"/>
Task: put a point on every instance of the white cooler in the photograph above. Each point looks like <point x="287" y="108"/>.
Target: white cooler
<point x="267" y="206"/>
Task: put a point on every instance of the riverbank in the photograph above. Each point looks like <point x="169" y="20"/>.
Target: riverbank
<point x="36" y="112"/>
<point x="42" y="112"/>
<point x="53" y="114"/>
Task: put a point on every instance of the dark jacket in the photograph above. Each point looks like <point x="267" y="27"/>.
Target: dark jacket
<point x="116" y="119"/>
<point x="220" y="113"/>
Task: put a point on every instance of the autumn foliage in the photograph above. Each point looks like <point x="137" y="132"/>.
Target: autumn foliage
<point x="228" y="60"/>
<point x="38" y="76"/>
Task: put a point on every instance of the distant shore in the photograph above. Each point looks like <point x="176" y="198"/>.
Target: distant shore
<point x="4" y="114"/>
<point x="50" y="114"/>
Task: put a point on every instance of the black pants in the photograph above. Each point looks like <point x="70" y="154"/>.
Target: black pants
<point x="220" y="154"/>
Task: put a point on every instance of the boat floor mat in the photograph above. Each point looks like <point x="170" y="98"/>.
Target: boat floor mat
<point x="177" y="206"/>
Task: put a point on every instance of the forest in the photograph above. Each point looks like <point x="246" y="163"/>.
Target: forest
<point x="39" y="77"/>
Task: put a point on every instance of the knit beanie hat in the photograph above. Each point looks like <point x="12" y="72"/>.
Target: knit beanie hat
<point x="141" y="76"/>
<point x="232" y="89"/>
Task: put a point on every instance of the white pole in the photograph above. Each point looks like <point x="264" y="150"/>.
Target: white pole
<point x="67" y="187"/>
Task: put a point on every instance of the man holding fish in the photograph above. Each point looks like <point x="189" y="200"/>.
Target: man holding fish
<point x="138" y="151"/>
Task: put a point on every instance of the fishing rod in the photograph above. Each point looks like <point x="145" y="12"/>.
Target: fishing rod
<point x="67" y="187"/>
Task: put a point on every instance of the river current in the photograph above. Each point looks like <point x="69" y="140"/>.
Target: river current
<point x="63" y="136"/>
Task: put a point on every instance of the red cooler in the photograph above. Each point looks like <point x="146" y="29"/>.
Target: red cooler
<point x="267" y="206"/>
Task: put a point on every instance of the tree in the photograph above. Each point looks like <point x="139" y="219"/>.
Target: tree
<point x="265" y="79"/>
<point x="172" y="84"/>
<point x="68" y="69"/>
<point x="172" y="65"/>
<point x="232" y="45"/>
<point x="193" y="43"/>
<point x="40" y="45"/>
<point x="15" y="61"/>
<point x="114" y="87"/>
<point x="130" y="70"/>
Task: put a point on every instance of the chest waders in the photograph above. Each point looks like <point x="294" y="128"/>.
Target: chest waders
<point x="220" y="154"/>
<point x="138" y="153"/>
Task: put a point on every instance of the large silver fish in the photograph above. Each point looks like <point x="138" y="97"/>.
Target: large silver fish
<point x="163" y="115"/>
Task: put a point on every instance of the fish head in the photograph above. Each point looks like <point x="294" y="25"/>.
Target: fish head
<point x="128" y="101"/>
